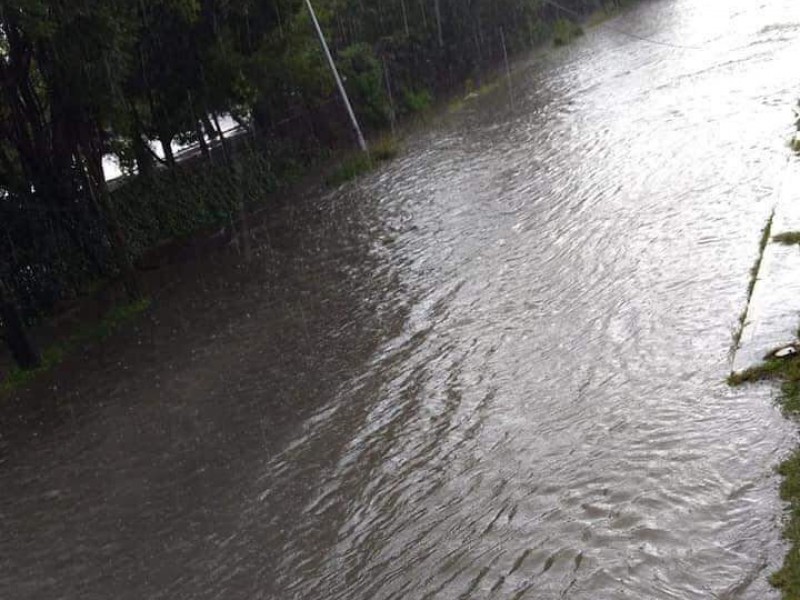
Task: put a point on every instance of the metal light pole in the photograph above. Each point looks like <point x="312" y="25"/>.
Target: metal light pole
<point x="361" y="142"/>
<point x="508" y="69"/>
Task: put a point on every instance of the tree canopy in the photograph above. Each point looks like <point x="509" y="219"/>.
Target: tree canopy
<point x="81" y="80"/>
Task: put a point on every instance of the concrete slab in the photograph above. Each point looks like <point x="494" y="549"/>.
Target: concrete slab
<point x="773" y="313"/>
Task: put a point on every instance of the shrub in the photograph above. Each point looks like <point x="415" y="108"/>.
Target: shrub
<point x="364" y="76"/>
<point x="564" y="31"/>
<point x="417" y="101"/>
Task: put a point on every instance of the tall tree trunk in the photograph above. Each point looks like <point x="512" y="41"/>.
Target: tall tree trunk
<point x="198" y="130"/>
<point x="438" y="11"/>
<point x="405" y="17"/>
<point x="98" y="189"/>
<point x="19" y="343"/>
<point x="201" y="140"/>
<point x="390" y="96"/>
<point x="223" y="142"/>
<point x="144" y="157"/>
<point x="118" y="244"/>
<point x="143" y="154"/>
<point x="244" y="224"/>
<point x="166" y="146"/>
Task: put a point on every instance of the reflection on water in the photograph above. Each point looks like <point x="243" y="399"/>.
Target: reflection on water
<point x="492" y="369"/>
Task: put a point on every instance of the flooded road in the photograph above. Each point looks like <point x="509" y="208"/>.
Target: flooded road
<point x="492" y="369"/>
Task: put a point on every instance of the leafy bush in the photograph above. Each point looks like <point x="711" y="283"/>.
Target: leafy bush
<point x="350" y="168"/>
<point x="364" y="81"/>
<point x="179" y="202"/>
<point x="417" y="101"/>
<point x="564" y="31"/>
<point x="385" y="149"/>
<point x="355" y="164"/>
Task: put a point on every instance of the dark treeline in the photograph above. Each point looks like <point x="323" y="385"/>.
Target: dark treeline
<point x="84" y="79"/>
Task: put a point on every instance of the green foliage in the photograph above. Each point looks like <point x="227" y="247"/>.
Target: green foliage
<point x="385" y="149"/>
<point x="564" y="31"/>
<point x="82" y="80"/>
<point x="350" y="168"/>
<point x="417" y="101"/>
<point x="111" y="322"/>
<point x="364" y="81"/>
<point x="605" y="12"/>
<point x="357" y="164"/>
<point x="766" y="370"/>
<point x="472" y="93"/>
<point x="787" y="578"/>
<point x="787" y="372"/>
<point x="789" y="238"/>
<point x="176" y="203"/>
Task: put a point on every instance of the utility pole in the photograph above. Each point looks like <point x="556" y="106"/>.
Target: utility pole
<point x="22" y="349"/>
<point x="361" y="142"/>
<point x="392" y="113"/>
<point x="508" y="68"/>
<point x="438" y="22"/>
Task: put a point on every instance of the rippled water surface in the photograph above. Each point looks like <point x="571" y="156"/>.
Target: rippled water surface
<point x="492" y="369"/>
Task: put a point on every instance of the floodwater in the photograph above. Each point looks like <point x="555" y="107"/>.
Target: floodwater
<point x="492" y="369"/>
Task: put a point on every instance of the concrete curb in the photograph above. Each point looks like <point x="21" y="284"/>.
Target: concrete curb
<point x="773" y="313"/>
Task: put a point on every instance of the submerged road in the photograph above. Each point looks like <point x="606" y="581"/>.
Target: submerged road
<point x="492" y="369"/>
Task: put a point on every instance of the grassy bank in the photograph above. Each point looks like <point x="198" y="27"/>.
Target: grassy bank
<point x="787" y="373"/>
<point x="358" y="163"/>
<point x="788" y="238"/>
<point x="89" y="333"/>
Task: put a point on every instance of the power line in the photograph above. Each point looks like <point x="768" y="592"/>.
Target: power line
<point x="620" y="31"/>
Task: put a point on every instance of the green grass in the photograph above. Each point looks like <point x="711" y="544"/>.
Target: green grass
<point x="769" y="369"/>
<point x="456" y="105"/>
<point x="564" y="31"/>
<point x="417" y="101"/>
<point x="787" y="373"/>
<point x="472" y="93"/>
<point x="385" y="149"/>
<point x="350" y="168"/>
<point x="601" y="15"/>
<point x="359" y="163"/>
<point x="111" y="322"/>
<point x="606" y="12"/>
<point x="789" y="238"/>
<point x="787" y="578"/>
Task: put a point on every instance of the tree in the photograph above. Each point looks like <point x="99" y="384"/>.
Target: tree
<point x="81" y="79"/>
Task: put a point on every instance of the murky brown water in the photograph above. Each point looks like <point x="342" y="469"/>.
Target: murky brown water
<point x="493" y="369"/>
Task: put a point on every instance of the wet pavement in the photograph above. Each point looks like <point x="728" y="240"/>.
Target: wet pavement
<point x="492" y="369"/>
